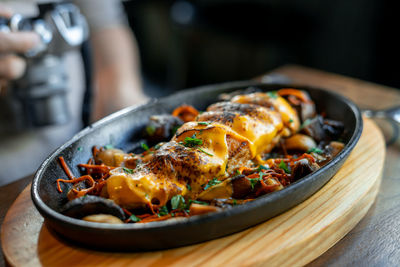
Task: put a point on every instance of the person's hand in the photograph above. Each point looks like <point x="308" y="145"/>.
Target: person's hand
<point x="12" y="66"/>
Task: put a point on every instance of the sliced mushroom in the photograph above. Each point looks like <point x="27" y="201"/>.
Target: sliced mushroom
<point x="161" y="128"/>
<point x="331" y="151"/>
<point x="333" y="128"/>
<point x="102" y="218"/>
<point x="302" y="168"/>
<point x="241" y="187"/>
<point x="278" y="185"/>
<point x="221" y="190"/>
<point x="300" y="142"/>
<point x="89" y="205"/>
<point x="335" y="147"/>
<point x="306" y="111"/>
<point x="323" y="129"/>
<point x="197" y="209"/>
<point x="314" y="128"/>
<point x="110" y="157"/>
<point x="237" y="187"/>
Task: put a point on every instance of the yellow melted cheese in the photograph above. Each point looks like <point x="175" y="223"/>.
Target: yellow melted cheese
<point x="260" y="134"/>
<point x="288" y="114"/>
<point x="140" y="188"/>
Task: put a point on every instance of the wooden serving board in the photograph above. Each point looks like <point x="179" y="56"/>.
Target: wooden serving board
<point x="295" y="237"/>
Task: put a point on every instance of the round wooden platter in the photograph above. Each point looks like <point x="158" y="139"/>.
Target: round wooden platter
<point x="295" y="237"/>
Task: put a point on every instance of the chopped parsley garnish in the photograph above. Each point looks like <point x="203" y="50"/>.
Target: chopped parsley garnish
<point x="283" y="166"/>
<point x="262" y="167"/>
<point x="163" y="211"/>
<point x="192" y="141"/>
<point x="188" y="187"/>
<point x="144" y="146"/>
<point x="238" y="172"/>
<point x="254" y="181"/>
<point x="272" y="94"/>
<point x="133" y="218"/>
<point x="127" y="170"/>
<point x="108" y="146"/>
<point x="290" y="121"/>
<point x="150" y="130"/>
<point x="178" y="202"/>
<point x="315" y="150"/>
<point x="305" y="123"/>
<point x="203" y="123"/>
<point x="212" y="182"/>
<point x="198" y="202"/>
<point x="205" y="152"/>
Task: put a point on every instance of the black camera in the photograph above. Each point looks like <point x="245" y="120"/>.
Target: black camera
<point x="39" y="97"/>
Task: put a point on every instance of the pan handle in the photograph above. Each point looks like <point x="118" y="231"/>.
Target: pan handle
<point x="392" y="115"/>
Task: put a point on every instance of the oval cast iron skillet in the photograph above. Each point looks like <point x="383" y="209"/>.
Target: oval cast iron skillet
<point x="123" y="129"/>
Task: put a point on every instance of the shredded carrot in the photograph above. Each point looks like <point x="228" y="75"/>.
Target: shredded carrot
<point x="65" y="168"/>
<point x="76" y="180"/>
<point x="186" y="113"/>
<point x="307" y="156"/>
<point x="297" y="93"/>
<point x="95" y="150"/>
<point x="244" y="169"/>
<point x="254" y="175"/>
<point x="155" y="218"/>
<point x="127" y="212"/>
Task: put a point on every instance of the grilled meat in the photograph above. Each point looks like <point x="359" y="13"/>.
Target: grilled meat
<point x="227" y="136"/>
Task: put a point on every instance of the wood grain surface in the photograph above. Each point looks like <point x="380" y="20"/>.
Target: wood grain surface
<point x="296" y="237"/>
<point x="375" y="241"/>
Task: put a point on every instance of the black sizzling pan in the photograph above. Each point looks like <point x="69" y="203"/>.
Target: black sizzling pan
<point x="123" y="129"/>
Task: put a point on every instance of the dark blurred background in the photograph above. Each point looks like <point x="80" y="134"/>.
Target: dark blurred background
<point x="190" y="43"/>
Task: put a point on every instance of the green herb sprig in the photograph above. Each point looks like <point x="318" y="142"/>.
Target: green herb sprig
<point x="178" y="202"/>
<point x="315" y="150"/>
<point x="134" y="218"/>
<point x="284" y="167"/>
<point x="127" y="170"/>
<point x="212" y="182"/>
<point x="144" y="146"/>
<point x="194" y="142"/>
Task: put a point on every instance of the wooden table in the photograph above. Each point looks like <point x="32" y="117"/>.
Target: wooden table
<point x="376" y="239"/>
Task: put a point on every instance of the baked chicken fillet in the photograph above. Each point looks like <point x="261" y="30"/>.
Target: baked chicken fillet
<point x="227" y="136"/>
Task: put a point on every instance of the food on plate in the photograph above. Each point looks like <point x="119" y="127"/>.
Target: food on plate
<point x="195" y="162"/>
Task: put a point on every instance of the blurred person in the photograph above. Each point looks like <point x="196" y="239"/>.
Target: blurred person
<point x="116" y="78"/>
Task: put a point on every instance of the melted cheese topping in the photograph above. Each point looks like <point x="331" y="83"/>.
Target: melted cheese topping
<point x="288" y="114"/>
<point x="140" y="188"/>
<point x="214" y="144"/>
<point x="259" y="133"/>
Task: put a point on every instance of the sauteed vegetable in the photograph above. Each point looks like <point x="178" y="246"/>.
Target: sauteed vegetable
<point x="192" y="162"/>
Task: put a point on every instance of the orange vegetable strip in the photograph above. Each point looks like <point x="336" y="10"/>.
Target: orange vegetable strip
<point x="95" y="150"/>
<point x="155" y="218"/>
<point x="241" y="169"/>
<point x="185" y="113"/>
<point x="297" y="93"/>
<point x="65" y="168"/>
<point x="76" y="180"/>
